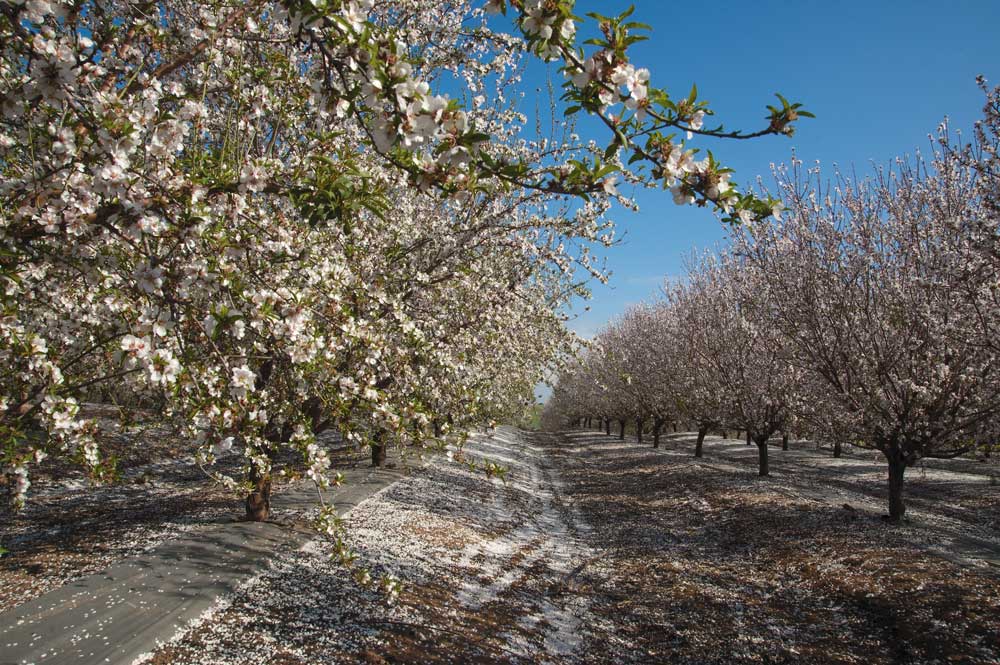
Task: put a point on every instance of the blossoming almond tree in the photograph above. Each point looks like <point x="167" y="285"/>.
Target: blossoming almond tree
<point x="261" y="216"/>
<point x="698" y="397"/>
<point x="742" y="356"/>
<point x="871" y="287"/>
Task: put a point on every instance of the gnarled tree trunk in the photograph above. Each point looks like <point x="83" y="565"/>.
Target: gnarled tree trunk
<point x="702" y="431"/>
<point x="897" y="467"/>
<point x="657" y="426"/>
<point x="258" y="501"/>
<point x="621" y="430"/>
<point x="638" y="428"/>
<point x="378" y="450"/>
<point x="762" y="468"/>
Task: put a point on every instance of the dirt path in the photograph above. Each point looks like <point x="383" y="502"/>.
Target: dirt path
<point x="70" y="529"/>
<point x="490" y="571"/>
<point x="127" y="609"/>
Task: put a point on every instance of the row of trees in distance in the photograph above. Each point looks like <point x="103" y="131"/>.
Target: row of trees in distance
<point x="867" y="312"/>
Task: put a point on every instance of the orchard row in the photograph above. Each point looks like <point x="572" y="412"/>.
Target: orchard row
<point x="868" y="312"/>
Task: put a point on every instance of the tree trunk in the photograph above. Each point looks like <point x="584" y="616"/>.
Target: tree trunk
<point x="378" y="454"/>
<point x="437" y="429"/>
<point x="738" y="433"/>
<point x="657" y="425"/>
<point x="836" y="448"/>
<point x="607" y="426"/>
<point x="748" y="438"/>
<point x="896" y="506"/>
<point x="784" y="441"/>
<point x="675" y="427"/>
<point x="258" y="501"/>
<point x="638" y="429"/>
<point x="378" y="450"/>
<point x="725" y="434"/>
<point x="762" y="458"/>
<point x="621" y="430"/>
<point x="702" y="431"/>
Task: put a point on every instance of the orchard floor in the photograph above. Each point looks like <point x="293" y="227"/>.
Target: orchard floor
<point x="70" y="529"/>
<point x="599" y="550"/>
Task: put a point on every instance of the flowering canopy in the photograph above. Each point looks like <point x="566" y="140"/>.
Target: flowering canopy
<point x="268" y="218"/>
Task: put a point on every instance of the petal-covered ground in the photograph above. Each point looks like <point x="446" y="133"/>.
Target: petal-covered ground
<point x="69" y="528"/>
<point x="599" y="550"/>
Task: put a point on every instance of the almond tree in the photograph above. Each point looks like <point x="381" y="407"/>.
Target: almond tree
<point x="740" y="357"/>
<point x="869" y="284"/>
<point x="652" y="362"/>
<point x="699" y="399"/>
<point x="263" y="216"/>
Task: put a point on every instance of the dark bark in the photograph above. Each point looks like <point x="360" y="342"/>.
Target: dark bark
<point x="621" y="430"/>
<point x="657" y="426"/>
<point x="702" y="431"/>
<point x="836" y="448"/>
<point x="897" y="467"/>
<point x="762" y="459"/>
<point x="784" y="441"/>
<point x="437" y="428"/>
<point x="639" y="423"/>
<point x="762" y="467"/>
<point x="675" y="427"/>
<point x="748" y="438"/>
<point x="725" y="435"/>
<point x="607" y="426"/>
<point x="378" y="453"/>
<point x="258" y="501"/>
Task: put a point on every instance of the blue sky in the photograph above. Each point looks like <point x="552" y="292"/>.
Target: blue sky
<point x="880" y="75"/>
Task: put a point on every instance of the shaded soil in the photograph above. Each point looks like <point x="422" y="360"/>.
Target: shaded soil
<point x="71" y="528"/>
<point x="716" y="565"/>
<point x="600" y="551"/>
<point x="603" y="551"/>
